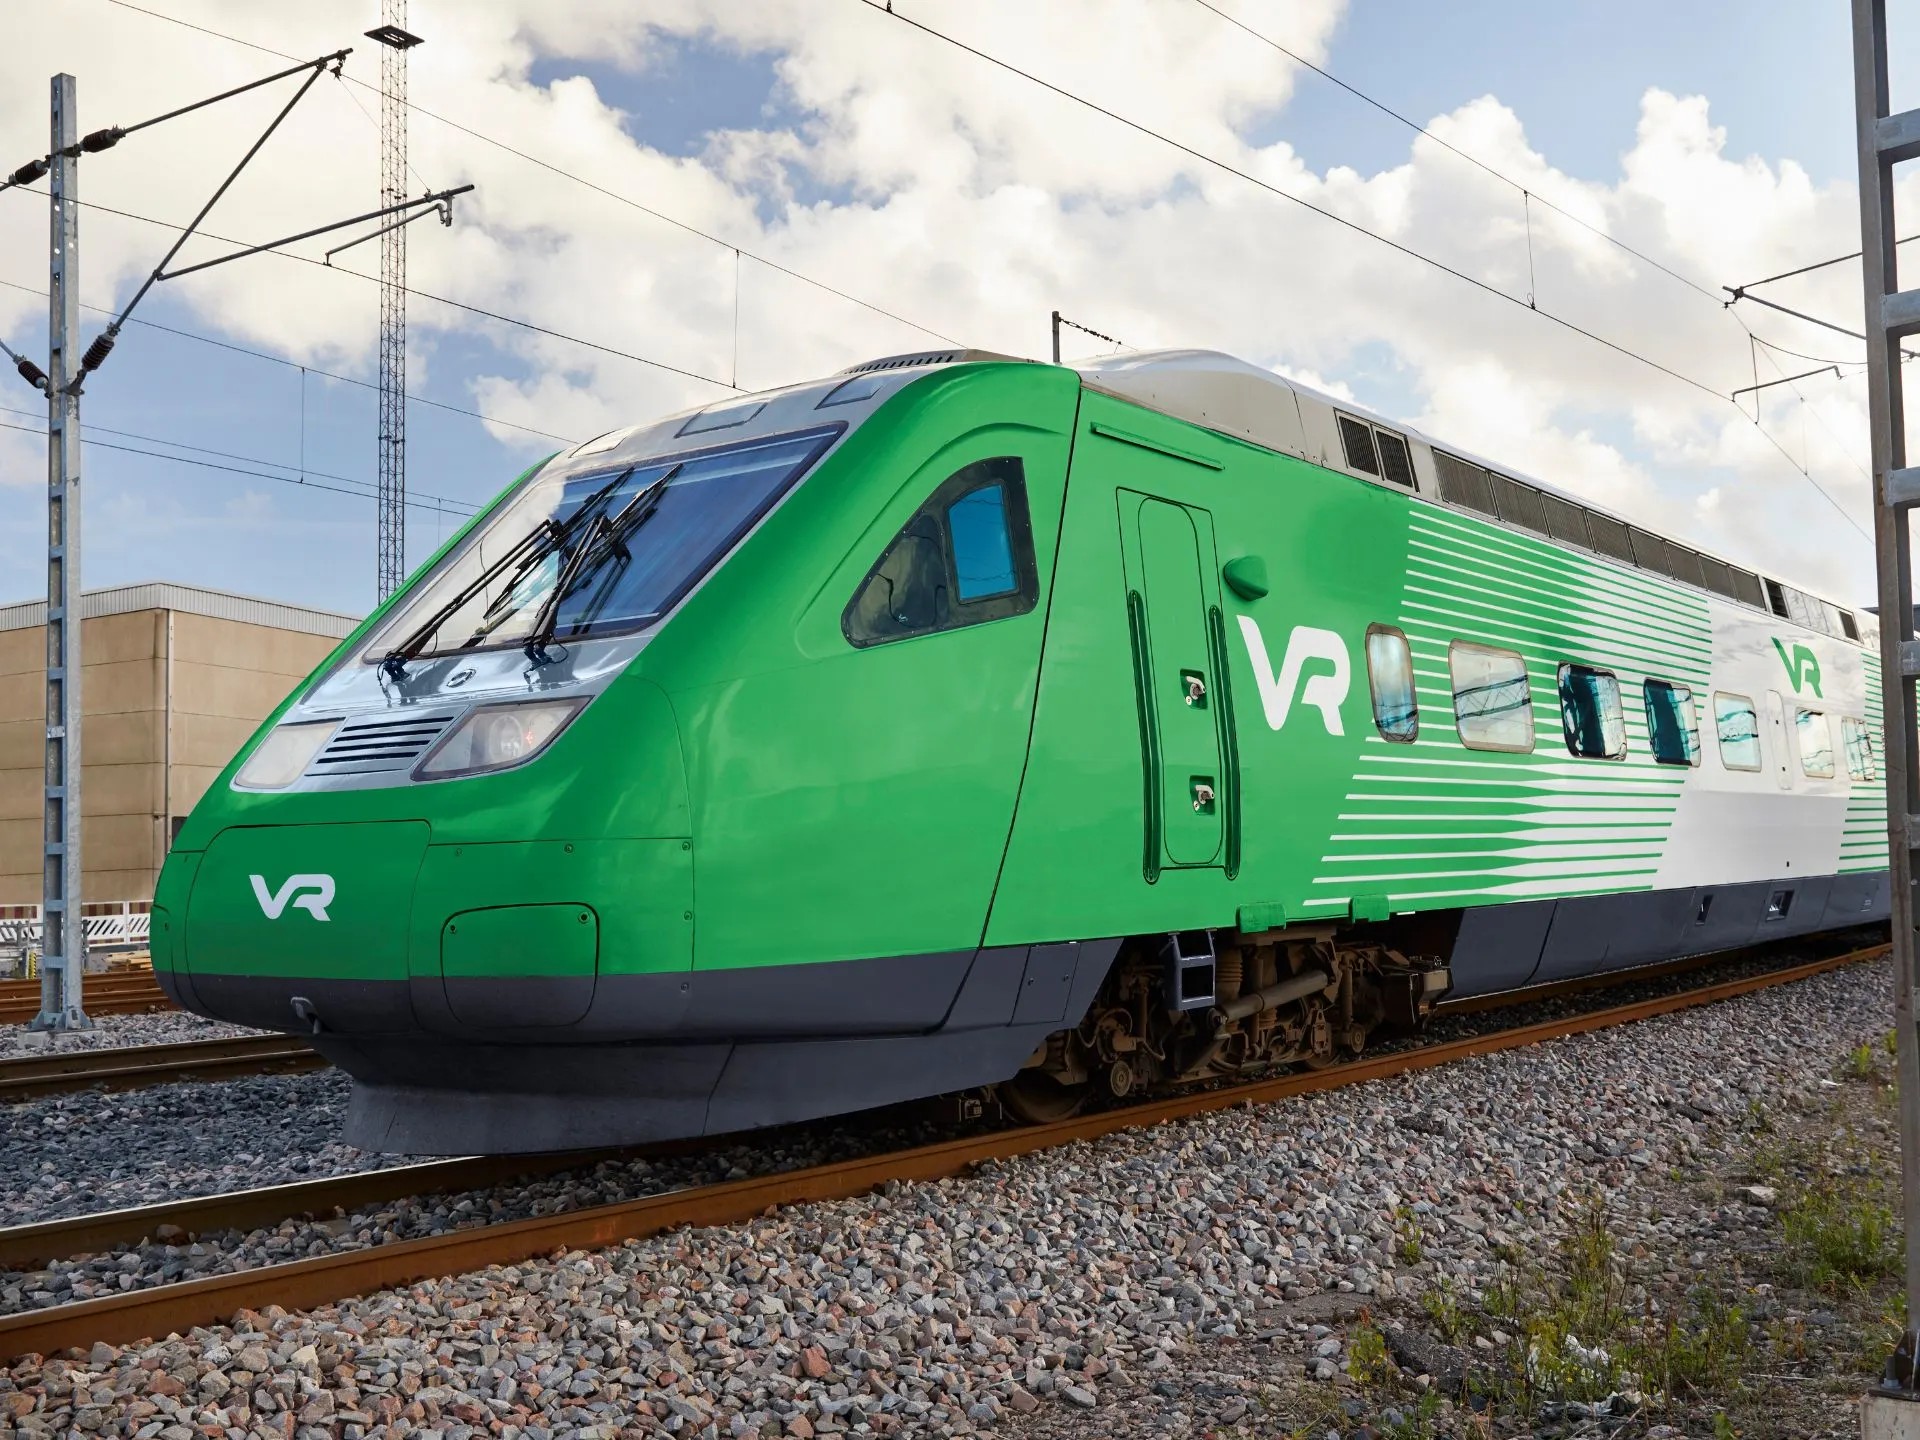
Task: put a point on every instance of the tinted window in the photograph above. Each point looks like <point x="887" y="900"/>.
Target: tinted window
<point x="982" y="544"/>
<point x="1859" y="747"/>
<point x="1816" y="744"/>
<point x="1396" y="710"/>
<point x="631" y="541"/>
<point x="1491" y="702"/>
<point x="965" y="557"/>
<point x="1673" y="730"/>
<point x="1738" y="727"/>
<point x="1590" y="713"/>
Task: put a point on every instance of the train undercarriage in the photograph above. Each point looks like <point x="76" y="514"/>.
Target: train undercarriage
<point x="1187" y="1008"/>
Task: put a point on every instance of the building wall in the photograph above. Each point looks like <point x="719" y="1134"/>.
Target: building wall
<point x="226" y="676"/>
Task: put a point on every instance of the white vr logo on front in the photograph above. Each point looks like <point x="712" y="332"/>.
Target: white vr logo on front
<point x="273" y="902"/>
<point x="1324" y="692"/>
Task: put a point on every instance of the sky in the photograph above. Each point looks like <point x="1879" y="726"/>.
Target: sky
<point x="751" y="193"/>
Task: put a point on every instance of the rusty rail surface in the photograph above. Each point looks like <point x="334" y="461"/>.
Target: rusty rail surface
<point x="130" y="1067"/>
<point x="121" y="992"/>
<point x="23" y="1247"/>
<point x="303" y="1284"/>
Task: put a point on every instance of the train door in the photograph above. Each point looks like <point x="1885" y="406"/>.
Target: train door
<point x="1177" y="659"/>
<point x="1777" y="727"/>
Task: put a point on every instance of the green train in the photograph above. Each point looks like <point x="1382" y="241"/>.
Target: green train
<point x="959" y="721"/>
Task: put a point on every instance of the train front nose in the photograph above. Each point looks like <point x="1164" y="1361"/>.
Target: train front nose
<point x="283" y="926"/>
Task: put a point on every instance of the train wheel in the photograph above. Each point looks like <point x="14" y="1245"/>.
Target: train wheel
<point x="1035" y="1098"/>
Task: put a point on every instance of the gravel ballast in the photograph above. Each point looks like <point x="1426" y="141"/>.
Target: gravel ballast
<point x="72" y="1154"/>
<point x="1017" y="1297"/>
<point x="114" y="1032"/>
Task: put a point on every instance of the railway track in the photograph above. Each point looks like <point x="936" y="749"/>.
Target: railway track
<point x="302" y="1284"/>
<point x="131" y="1067"/>
<point x="111" y="992"/>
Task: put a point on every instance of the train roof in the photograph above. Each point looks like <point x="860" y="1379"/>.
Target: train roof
<point x="1243" y="401"/>
<point x="1248" y="402"/>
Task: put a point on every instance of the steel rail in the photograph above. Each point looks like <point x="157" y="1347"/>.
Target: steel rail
<point x="302" y="1284"/>
<point x="131" y="1067"/>
<point x="23" y="1247"/>
<point x="129" y="993"/>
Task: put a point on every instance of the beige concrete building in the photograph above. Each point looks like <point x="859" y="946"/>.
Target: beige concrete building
<point x="173" y="681"/>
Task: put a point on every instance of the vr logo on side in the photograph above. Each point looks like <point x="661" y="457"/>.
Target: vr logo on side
<point x="1322" y="691"/>
<point x="273" y="902"/>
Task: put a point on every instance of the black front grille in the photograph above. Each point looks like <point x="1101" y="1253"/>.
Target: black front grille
<point x="359" y="747"/>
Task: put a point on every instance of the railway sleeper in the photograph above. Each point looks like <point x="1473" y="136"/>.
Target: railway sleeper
<point x="1194" y="1006"/>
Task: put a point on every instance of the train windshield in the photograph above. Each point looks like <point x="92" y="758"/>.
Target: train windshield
<point x="598" y="552"/>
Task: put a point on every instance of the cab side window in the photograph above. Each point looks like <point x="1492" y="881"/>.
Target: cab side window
<point x="965" y="557"/>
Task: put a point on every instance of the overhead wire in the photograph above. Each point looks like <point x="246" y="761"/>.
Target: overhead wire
<point x="885" y="8"/>
<point x="92" y="429"/>
<point x="888" y="9"/>
<point x="1530" y="196"/>
<point x="1471" y="159"/>
<point x="313" y="369"/>
<point x="368" y="493"/>
<point x="566" y="174"/>
<point x="428" y="295"/>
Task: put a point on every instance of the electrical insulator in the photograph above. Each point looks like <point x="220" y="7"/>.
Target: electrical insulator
<point x="102" y="140"/>
<point x="28" y="173"/>
<point x="31" y="373"/>
<point x="97" y="352"/>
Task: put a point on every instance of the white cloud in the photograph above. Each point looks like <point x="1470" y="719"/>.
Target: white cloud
<point x="975" y="202"/>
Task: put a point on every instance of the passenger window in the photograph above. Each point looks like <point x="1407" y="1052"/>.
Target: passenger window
<point x="1492" y="705"/>
<point x="1816" y="744"/>
<point x="1673" y="729"/>
<point x="1591" y="715"/>
<point x="1859" y="745"/>
<point x="1396" y="710"/>
<point x="965" y="557"/>
<point x="1738" y="725"/>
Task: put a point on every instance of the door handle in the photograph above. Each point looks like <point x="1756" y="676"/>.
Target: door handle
<point x="1196" y="689"/>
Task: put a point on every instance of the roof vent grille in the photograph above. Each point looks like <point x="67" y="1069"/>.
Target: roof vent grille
<point x="927" y="357"/>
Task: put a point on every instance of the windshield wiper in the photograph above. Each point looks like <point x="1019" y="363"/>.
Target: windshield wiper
<point x="528" y="551"/>
<point x="602" y="539"/>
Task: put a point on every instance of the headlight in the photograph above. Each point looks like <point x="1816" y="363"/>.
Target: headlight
<point x="283" y="755"/>
<point x="497" y="736"/>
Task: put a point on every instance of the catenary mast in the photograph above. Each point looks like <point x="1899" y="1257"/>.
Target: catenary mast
<point x="391" y="562"/>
